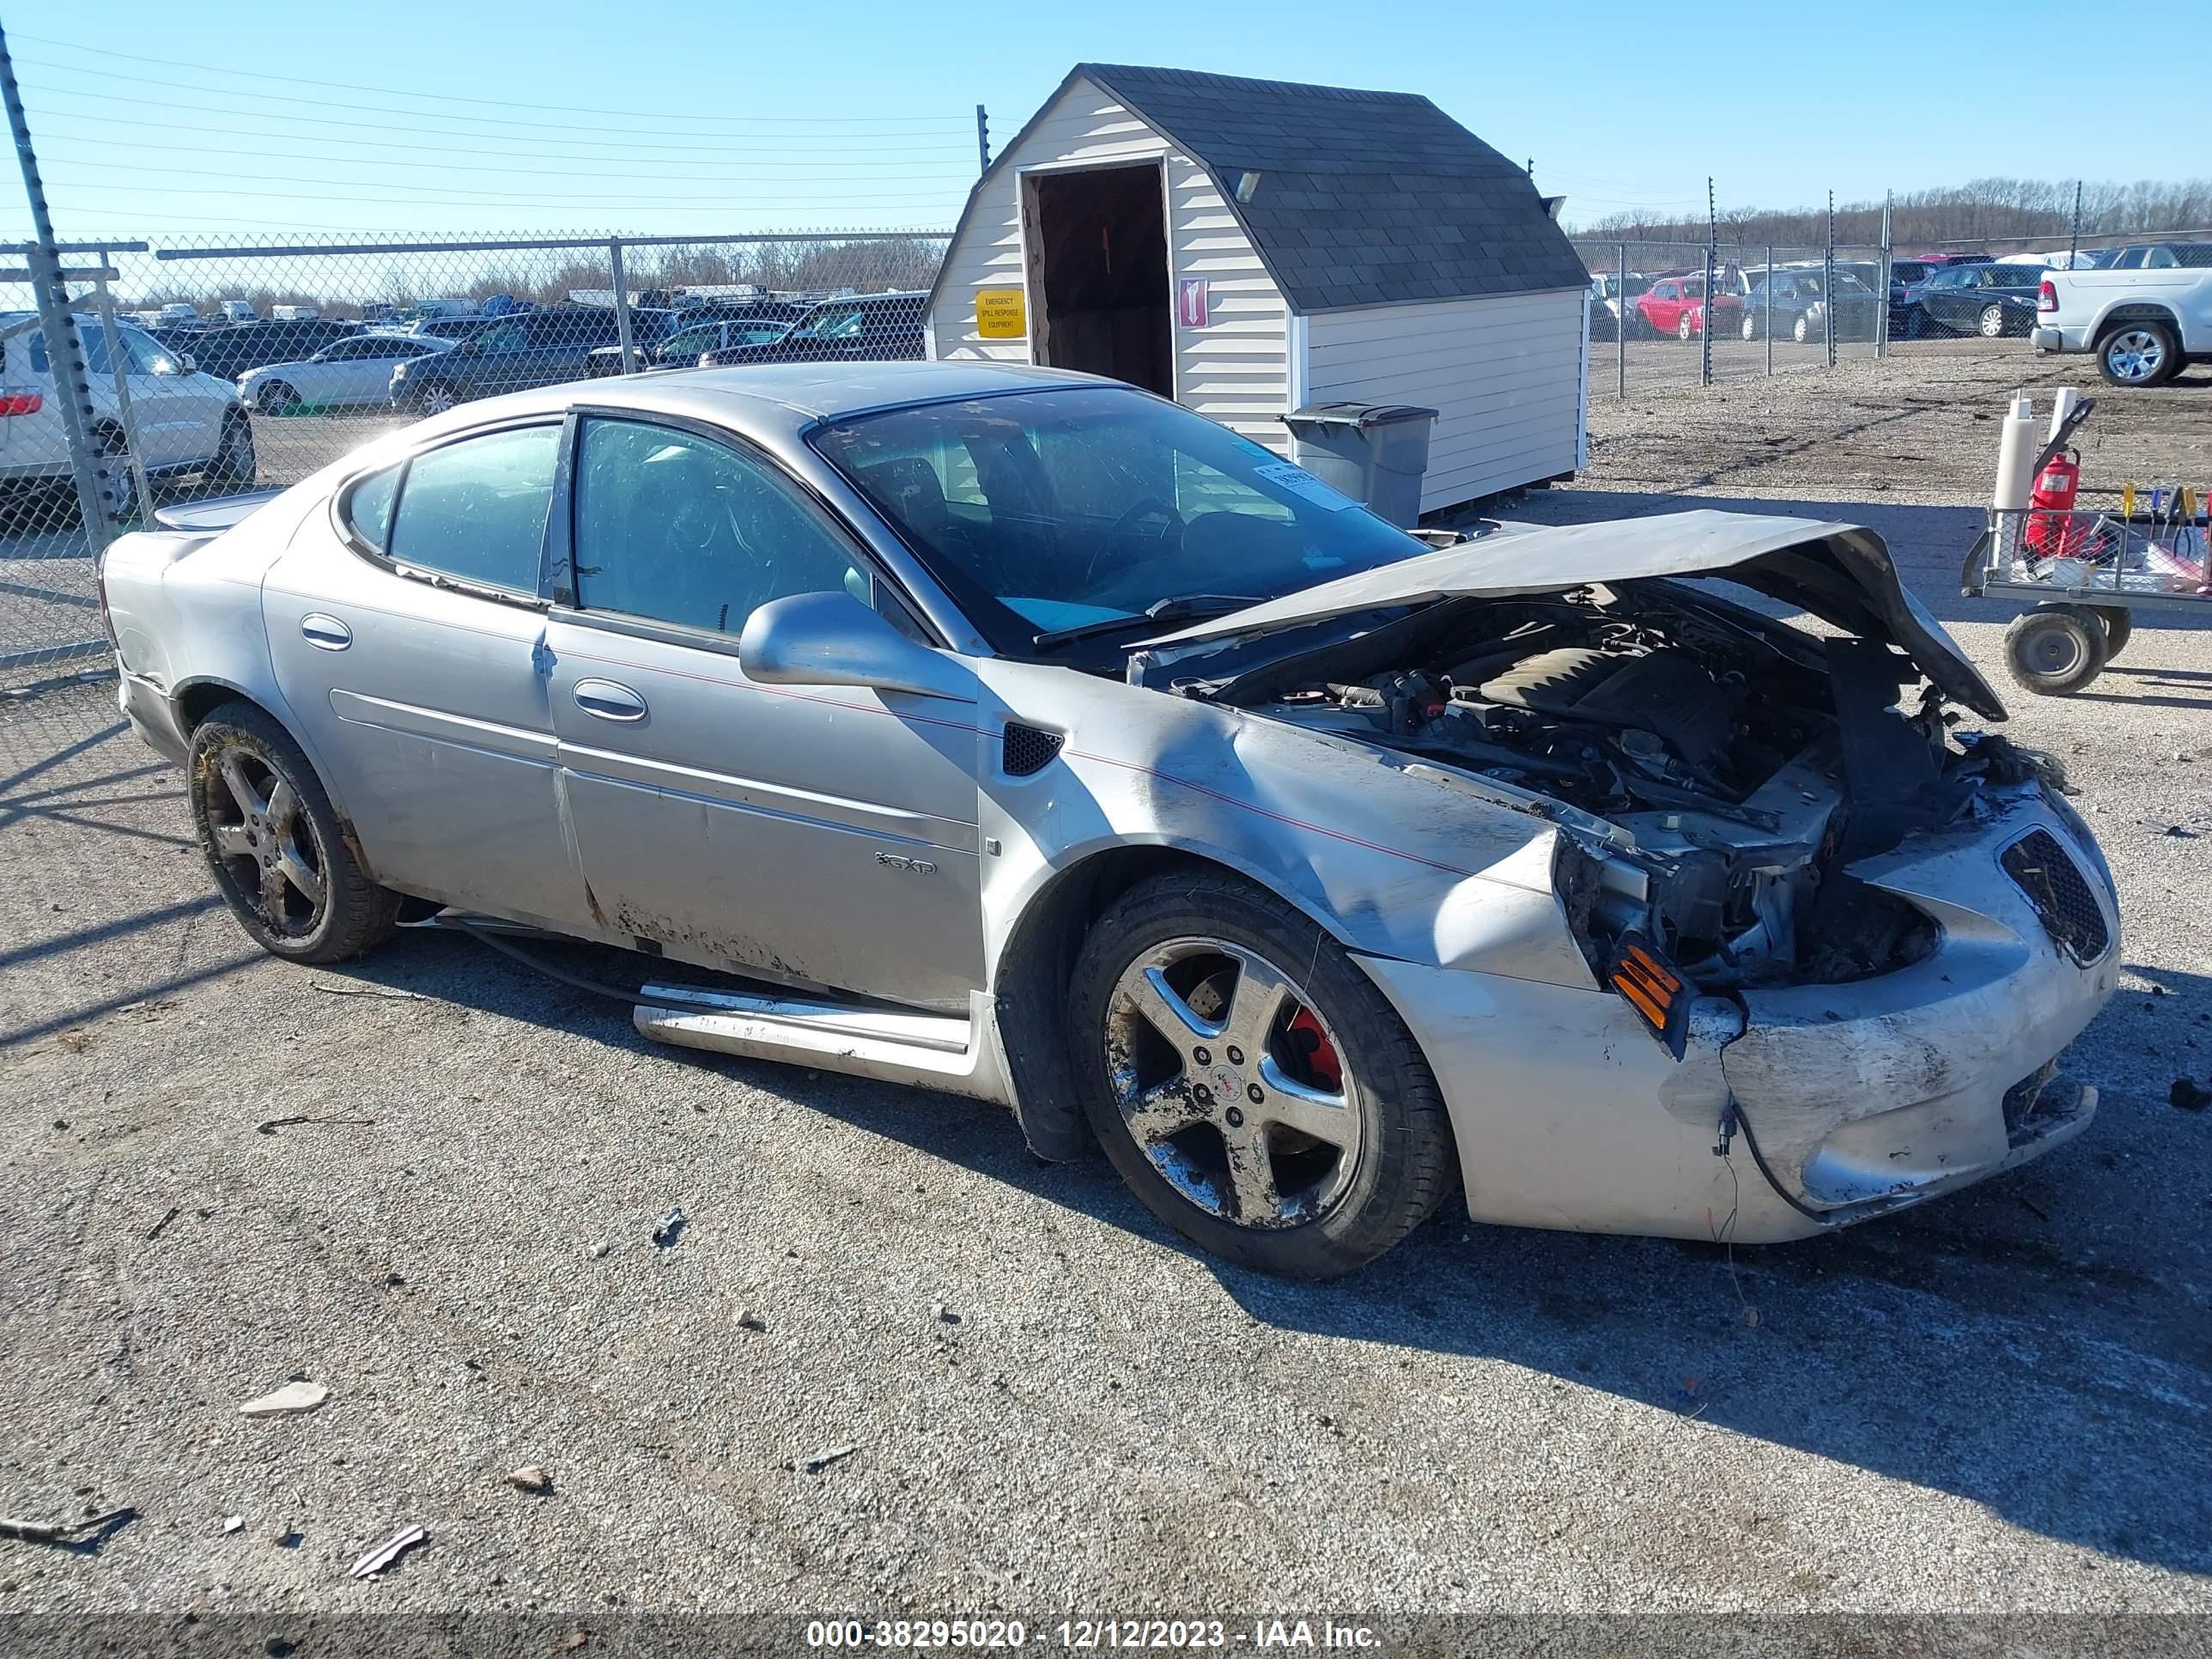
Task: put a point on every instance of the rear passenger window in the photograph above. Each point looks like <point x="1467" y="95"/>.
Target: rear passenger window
<point x="368" y="509"/>
<point x="476" y="509"/>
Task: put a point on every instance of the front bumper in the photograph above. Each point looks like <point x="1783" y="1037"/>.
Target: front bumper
<point x="1863" y="1097"/>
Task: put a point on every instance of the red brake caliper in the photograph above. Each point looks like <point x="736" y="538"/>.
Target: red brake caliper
<point x="1307" y="1035"/>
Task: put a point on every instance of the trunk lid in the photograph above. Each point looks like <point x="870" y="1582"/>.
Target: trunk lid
<point x="1841" y="573"/>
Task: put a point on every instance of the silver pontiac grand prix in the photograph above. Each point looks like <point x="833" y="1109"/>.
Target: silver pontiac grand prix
<point x="1019" y="734"/>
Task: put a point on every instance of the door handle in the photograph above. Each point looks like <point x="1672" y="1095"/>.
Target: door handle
<point x="325" y="632"/>
<point x="607" y="700"/>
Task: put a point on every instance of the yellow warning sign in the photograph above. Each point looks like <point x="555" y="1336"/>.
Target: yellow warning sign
<point x="1000" y="315"/>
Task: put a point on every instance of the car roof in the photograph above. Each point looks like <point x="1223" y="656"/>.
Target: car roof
<point x="777" y="397"/>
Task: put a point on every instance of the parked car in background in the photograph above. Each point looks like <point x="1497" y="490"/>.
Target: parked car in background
<point x="688" y="346"/>
<point x="451" y="329"/>
<point x="1676" y="306"/>
<point x="1097" y="792"/>
<point x="237" y="311"/>
<point x="350" y="373"/>
<point x="866" y="328"/>
<point x="2162" y="256"/>
<point x="181" y="420"/>
<point x="1606" y="289"/>
<point x="532" y="348"/>
<point x="178" y="312"/>
<point x="294" y="314"/>
<point x="229" y="349"/>
<point x="1798" y="304"/>
<point x="2146" y="323"/>
<point x="1989" y="299"/>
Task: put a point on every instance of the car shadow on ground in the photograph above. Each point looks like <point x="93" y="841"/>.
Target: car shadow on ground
<point x="1992" y="1344"/>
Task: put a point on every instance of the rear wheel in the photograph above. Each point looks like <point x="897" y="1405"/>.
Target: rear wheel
<point x="436" y="398"/>
<point x="2119" y="628"/>
<point x="1685" y="329"/>
<point x="1801" y="330"/>
<point x="1992" y="322"/>
<point x="1750" y="326"/>
<point x="275" y="845"/>
<point x="2139" y="353"/>
<point x="234" y="461"/>
<point x="276" y="398"/>
<point x="1251" y="1084"/>
<point x="2056" y="649"/>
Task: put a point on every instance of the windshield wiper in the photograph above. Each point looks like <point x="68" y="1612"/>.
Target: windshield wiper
<point x="1184" y="607"/>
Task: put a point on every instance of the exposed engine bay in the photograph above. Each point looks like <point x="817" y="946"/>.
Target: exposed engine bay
<point x="1747" y="761"/>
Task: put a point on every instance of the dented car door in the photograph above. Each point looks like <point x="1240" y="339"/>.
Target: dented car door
<point x="820" y="837"/>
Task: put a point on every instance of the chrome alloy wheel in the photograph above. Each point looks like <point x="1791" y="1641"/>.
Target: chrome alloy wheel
<point x="438" y="399"/>
<point x="2133" y="354"/>
<point x="1232" y="1084"/>
<point x="268" y="845"/>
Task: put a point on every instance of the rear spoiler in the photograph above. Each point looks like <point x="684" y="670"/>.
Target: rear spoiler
<point x="212" y="516"/>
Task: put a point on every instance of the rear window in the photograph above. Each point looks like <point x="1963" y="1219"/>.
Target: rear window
<point x="476" y="509"/>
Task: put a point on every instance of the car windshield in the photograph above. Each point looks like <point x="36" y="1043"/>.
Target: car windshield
<point x="1045" y="511"/>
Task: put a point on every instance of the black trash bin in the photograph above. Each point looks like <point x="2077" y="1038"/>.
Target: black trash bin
<point x="1377" y="454"/>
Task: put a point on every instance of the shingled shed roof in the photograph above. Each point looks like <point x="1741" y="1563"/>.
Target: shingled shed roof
<point x="1363" y="198"/>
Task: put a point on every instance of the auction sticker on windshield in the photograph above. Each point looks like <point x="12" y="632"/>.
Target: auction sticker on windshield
<point x="1299" y="481"/>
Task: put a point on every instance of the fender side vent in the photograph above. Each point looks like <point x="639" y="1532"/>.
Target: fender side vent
<point x="2062" y="901"/>
<point x="1027" y="751"/>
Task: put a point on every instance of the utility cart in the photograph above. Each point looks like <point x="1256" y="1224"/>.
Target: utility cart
<point x="2085" y="573"/>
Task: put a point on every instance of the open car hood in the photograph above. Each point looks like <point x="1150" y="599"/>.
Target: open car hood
<point x="1840" y="573"/>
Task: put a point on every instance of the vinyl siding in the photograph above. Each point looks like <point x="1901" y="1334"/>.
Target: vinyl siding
<point x="1503" y="374"/>
<point x="1236" y="369"/>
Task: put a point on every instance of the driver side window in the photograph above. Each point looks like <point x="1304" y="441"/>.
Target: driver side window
<point x="675" y="528"/>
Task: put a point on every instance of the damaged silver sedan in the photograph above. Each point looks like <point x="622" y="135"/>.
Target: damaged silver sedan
<point x="1024" y="736"/>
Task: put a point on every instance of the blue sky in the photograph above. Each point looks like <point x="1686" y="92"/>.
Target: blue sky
<point x="680" y="115"/>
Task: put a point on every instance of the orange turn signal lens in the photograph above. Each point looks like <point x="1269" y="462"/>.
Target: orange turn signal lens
<point x="1653" y="989"/>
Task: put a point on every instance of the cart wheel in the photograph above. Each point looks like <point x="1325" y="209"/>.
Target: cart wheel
<point x="2120" y="626"/>
<point x="2056" y="648"/>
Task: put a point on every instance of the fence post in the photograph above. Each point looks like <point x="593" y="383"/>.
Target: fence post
<point x="105" y="303"/>
<point x="1881" y="307"/>
<point x="1620" y="333"/>
<point x="1705" y="310"/>
<point x="983" y="140"/>
<point x="1828" y="284"/>
<point x="64" y="350"/>
<point x="622" y="306"/>
<point x="1767" y="289"/>
<point x="2074" y="238"/>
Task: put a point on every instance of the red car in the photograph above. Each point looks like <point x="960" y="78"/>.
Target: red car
<point x="1676" y="306"/>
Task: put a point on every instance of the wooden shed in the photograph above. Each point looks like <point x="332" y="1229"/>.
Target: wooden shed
<point x="1247" y="246"/>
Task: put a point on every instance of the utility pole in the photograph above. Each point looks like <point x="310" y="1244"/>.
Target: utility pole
<point x="983" y="140"/>
<point x="64" y="350"/>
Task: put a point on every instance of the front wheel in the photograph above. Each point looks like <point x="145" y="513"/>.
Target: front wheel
<point x="1251" y="1084"/>
<point x="2056" y="649"/>
<point x="274" y="843"/>
<point x="436" y="398"/>
<point x="1750" y="327"/>
<point x="1685" y="331"/>
<point x="276" y="398"/>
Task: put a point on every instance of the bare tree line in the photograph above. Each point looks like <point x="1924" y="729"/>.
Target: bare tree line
<point x="1981" y="209"/>
<point x="796" y="265"/>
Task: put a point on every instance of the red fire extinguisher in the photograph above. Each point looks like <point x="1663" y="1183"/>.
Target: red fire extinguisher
<point x="2051" y="532"/>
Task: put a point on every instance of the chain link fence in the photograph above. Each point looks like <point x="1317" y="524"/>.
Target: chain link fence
<point x="224" y="366"/>
<point x="1676" y="313"/>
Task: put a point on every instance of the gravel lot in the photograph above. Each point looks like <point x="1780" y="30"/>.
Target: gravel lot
<point x="429" y="1181"/>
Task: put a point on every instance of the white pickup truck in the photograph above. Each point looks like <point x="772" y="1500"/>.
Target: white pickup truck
<point x="2146" y="315"/>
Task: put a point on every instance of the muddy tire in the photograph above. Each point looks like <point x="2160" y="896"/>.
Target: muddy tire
<point x="2056" y="649"/>
<point x="274" y="843"/>
<point x="1254" y="1088"/>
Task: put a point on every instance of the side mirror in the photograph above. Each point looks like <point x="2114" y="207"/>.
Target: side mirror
<point x="187" y="364"/>
<point x="832" y="639"/>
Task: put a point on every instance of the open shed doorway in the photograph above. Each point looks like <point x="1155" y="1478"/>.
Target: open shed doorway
<point x="1097" y="251"/>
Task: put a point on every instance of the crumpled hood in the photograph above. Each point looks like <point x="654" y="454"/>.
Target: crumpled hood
<point x="1840" y="573"/>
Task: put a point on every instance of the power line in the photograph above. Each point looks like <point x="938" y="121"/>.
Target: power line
<point x="882" y="141"/>
<point x="172" y="85"/>
<point x="520" y="162"/>
<point x="530" y="199"/>
<point x="443" y="98"/>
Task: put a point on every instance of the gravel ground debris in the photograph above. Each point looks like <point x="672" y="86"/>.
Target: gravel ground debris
<point x="898" y="1365"/>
